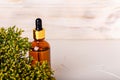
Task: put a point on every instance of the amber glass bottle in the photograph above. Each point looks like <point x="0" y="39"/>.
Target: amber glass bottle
<point x="40" y="50"/>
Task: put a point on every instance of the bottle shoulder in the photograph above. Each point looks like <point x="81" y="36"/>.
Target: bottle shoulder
<point x="40" y="43"/>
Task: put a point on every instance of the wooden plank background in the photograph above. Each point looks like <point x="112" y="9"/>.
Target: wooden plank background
<point x="73" y="19"/>
<point x="64" y="19"/>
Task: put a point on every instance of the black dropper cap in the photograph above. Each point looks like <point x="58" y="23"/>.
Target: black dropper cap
<point x="38" y="24"/>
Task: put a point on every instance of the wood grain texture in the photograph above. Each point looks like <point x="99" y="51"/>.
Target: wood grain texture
<point x="64" y="19"/>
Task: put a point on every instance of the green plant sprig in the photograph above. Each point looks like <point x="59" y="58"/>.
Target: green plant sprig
<point x="14" y="65"/>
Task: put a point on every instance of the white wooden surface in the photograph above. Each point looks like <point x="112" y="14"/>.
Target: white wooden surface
<point x="86" y="59"/>
<point x="70" y="24"/>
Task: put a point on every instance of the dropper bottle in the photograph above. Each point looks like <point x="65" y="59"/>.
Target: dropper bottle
<point x="40" y="50"/>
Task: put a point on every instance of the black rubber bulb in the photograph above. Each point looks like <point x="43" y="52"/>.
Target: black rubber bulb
<point x="38" y="24"/>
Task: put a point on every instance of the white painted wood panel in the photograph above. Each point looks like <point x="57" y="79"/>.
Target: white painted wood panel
<point x="65" y="19"/>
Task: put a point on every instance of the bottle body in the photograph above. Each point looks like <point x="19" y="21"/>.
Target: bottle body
<point x="40" y="51"/>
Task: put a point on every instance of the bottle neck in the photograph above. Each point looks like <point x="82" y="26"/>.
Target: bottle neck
<point x="39" y="39"/>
